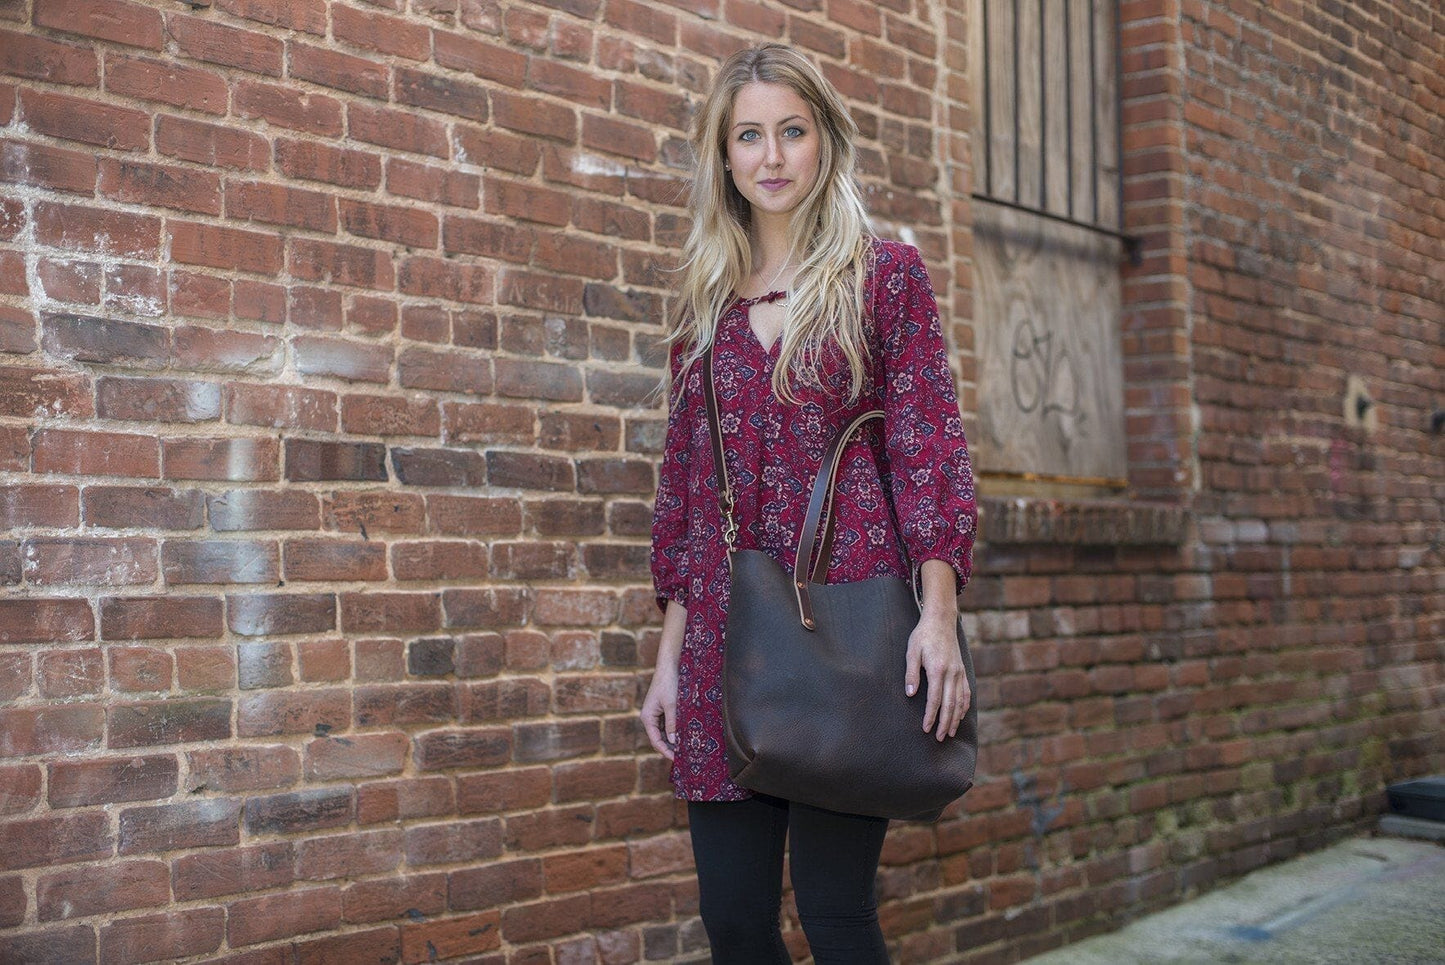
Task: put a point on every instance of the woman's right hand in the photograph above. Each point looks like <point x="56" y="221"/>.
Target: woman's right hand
<point x="659" y="711"/>
<point x="659" y="707"/>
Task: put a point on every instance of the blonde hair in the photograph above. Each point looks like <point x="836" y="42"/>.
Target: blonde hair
<point x="828" y="233"/>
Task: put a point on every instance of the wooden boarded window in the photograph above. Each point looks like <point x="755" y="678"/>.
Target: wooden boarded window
<point x="1048" y="240"/>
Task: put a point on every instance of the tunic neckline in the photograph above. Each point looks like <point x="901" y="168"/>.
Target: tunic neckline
<point x="747" y="303"/>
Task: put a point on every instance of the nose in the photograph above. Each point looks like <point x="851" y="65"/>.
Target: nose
<point x="774" y="155"/>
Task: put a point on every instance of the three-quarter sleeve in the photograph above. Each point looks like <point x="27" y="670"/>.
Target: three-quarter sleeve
<point x="670" y="511"/>
<point x="932" y="477"/>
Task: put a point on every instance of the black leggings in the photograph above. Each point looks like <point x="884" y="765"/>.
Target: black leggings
<point x="738" y="846"/>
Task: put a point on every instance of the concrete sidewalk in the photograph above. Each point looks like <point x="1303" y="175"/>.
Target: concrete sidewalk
<point x="1365" y="901"/>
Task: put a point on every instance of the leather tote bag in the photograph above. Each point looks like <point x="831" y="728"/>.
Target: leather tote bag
<point x="813" y="708"/>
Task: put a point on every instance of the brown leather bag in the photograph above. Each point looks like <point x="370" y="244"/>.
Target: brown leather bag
<point x="813" y="703"/>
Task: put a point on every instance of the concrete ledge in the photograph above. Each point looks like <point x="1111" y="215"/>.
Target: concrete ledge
<point x="1081" y="522"/>
<point x="1400" y="826"/>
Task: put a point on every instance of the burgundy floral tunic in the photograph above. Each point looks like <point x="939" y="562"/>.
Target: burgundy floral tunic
<point x="773" y="449"/>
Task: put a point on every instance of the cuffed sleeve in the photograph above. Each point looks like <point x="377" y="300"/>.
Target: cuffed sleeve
<point x="932" y="476"/>
<point x="670" y="511"/>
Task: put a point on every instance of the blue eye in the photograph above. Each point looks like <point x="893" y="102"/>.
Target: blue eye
<point x="799" y="131"/>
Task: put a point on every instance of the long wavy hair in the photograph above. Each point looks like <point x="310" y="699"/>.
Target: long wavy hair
<point x="828" y="235"/>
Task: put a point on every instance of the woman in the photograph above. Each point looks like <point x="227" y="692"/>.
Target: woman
<point x="811" y="322"/>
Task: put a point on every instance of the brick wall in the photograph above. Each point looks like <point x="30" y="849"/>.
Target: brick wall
<point x="327" y="444"/>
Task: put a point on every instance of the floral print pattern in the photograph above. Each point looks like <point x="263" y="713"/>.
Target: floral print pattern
<point x="773" y="449"/>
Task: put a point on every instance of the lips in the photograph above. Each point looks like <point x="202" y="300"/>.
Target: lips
<point x="775" y="183"/>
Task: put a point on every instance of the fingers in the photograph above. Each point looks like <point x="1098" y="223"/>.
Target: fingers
<point x="912" y="671"/>
<point x="659" y="720"/>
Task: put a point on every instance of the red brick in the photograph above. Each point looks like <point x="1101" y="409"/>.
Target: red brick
<point x="85" y="891"/>
<point x="77" y="119"/>
<point x="428" y="183"/>
<point x="376" y="612"/>
<point x="293" y="712"/>
<point x="116" y="20"/>
<point x="205" y="668"/>
<point x="249" y="509"/>
<point x="118" y="507"/>
<point x="19" y="788"/>
<point x="553" y="828"/>
<point x="140" y="669"/>
<point x="310" y="810"/>
<point x="380" y="33"/>
<point x="94" y="562"/>
<point x="153" y="618"/>
<point x="584" y="870"/>
<point x="417" y="797"/>
<point x="215" y="43"/>
<point x="444" y="94"/>
<point x="439" y="560"/>
<point x="281" y="205"/>
<point x="218" y="247"/>
<point x="158" y="400"/>
<point x="221" y="459"/>
<point x="168" y="722"/>
<point x="469" y="516"/>
<point x="450" y="937"/>
<point x="486" y="60"/>
<point x="358" y="756"/>
<point x="252" y="767"/>
<point x="551" y="918"/>
<point x="327" y="163"/>
<point x="305" y="15"/>
<point x="324" y="660"/>
<point x="494" y="884"/>
<point x="351" y="855"/>
<point x="220" y="561"/>
<point x="15" y="675"/>
<point x="296" y="912"/>
<point x="14" y="903"/>
<point x="390" y="899"/>
<point x="48" y="841"/>
<point x="381" y="945"/>
<point x="166" y="83"/>
<point x="48" y="167"/>
<point x="334" y="560"/>
<point x="342" y="264"/>
<point x="211" y="144"/>
<point x="74" y="945"/>
<point x="342" y="359"/>
<point x="209" y="874"/>
<point x="32" y="731"/>
<point x="208" y="349"/>
<point x="402" y="130"/>
<point x="387" y="416"/>
<point x="45" y="621"/>
<point x="70" y="673"/>
<point x="413" y="703"/>
<point x="330" y="68"/>
<point x="206" y="823"/>
<point x="72" y="282"/>
<point x="281" y="407"/>
<point x="39" y="58"/>
<point x="168" y="936"/>
<point x="109" y="781"/>
<point x="374" y="512"/>
<point x="478" y="747"/>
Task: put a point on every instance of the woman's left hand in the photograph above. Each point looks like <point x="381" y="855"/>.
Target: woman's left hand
<point x="933" y="650"/>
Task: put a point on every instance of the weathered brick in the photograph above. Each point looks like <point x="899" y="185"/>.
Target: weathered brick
<point x="269" y="712"/>
<point x="72" y="945"/>
<point x="390" y="899"/>
<point x="168" y="936"/>
<point x="175" y="827"/>
<point x="45" y="621"/>
<point x="59" y="728"/>
<point x="359" y="756"/>
<point x="168" y="722"/>
<point x="311" y="810"/>
<point x="19" y="788"/>
<point x="54" y="840"/>
<point x="480" y="747"/>
<point x="453" y="842"/>
<point x="208" y="874"/>
<point x="264" y="614"/>
<point x="110" y="781"/>
<point x="250" y="921"/>
<point x="152" y="618"/>
<point x="350" y="855"/>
